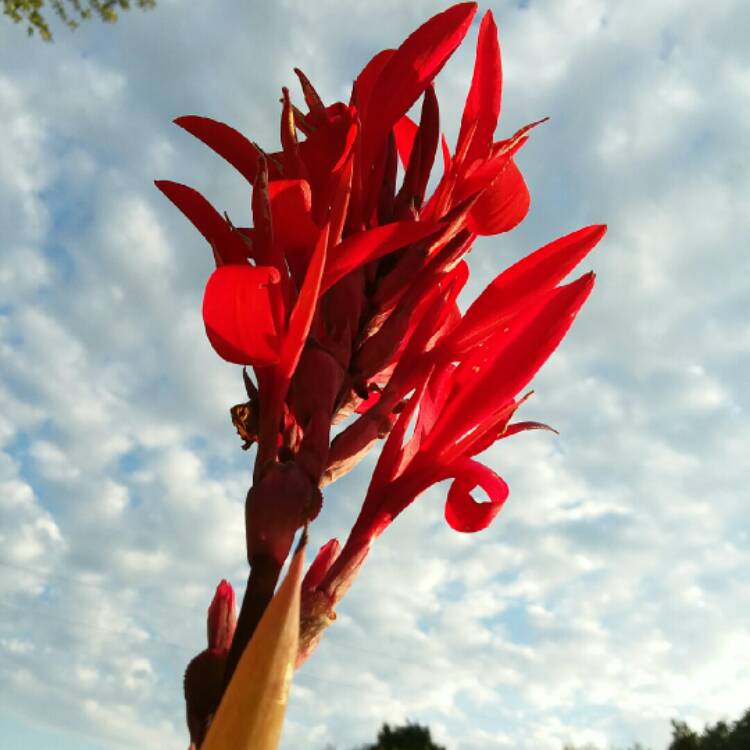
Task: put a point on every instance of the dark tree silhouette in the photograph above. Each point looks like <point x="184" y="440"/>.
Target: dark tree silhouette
<point x="70" y="12"/>
<point x="407" y="737"/>
<point x="720" y="736"/>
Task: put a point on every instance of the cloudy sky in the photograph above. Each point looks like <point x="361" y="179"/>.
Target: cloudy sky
<point x="610" y="594"/>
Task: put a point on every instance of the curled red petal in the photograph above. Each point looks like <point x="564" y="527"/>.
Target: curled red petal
<point x="230" y="144"/>
<point x="462" y="512"/>
<point x="501" y="206"/>
<point x="482" y="107"/>
<point x="238" y="312"/>
<point x="226" y="243"/>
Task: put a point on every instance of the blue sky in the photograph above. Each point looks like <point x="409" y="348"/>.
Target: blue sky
<point x="610" y="594"/>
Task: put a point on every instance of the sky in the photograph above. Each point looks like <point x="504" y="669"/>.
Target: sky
<point x="609" y="595"/>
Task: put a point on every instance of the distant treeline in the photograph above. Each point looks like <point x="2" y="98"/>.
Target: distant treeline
<point x="720" y="736"/>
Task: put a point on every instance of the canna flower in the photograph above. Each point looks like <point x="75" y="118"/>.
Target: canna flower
<point x="204" y="676"/>
<point x="341" y="298"/>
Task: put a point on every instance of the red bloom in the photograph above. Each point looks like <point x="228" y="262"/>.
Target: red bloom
<point x="342" y="297"/>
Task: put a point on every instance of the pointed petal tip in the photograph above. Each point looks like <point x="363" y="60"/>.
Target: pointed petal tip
<point x="185" y="121"/>
<point x="597" y="231"/>
<point x="583" y="285"/>
<point x="224" y="587"/>
<point x="164" y="185"/>
<point x="488" y="19"/>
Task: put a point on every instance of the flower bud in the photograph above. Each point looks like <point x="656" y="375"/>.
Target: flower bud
<point x="204" y="676"/>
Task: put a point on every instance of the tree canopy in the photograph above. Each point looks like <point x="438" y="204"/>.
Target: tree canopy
<point x="71" y="12"/>
<point x="407" y="737"/>
<point x="721" y="736"/>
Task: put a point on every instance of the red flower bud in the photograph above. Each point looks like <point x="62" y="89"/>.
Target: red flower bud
<point x="222" y="618"/>
<point x="204" y="676"/>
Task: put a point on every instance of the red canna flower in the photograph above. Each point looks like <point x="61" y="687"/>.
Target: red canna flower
<point x="342" y="298"/>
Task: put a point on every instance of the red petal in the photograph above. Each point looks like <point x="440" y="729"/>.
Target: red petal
<point x="326" y="556"/>
<point x="487" y="433"/>
<point x="422" y="157"/>
<point x="405" y="131"/>
<point x="369" y="245"/>
<point x="501" y="206"/>
<point x="241" y="153"/>
<point x="482" y="107"/>
<point x="368" y="77"/>
<point x="438" y="390"/>
<point x="446" y="153"/>
<point x="462" y="511"/>
<point x="302" y="315"/>
<point x="342" y="192"/>
<point x="518" y="285"/>
<point x="482" y="173"/>
<point x="263" y="245"/>
<point x="498" y="369"/>
<point x="238" y="311"/>
<point x="391" y="457"/>
<point x="511" y="144"/>
<point x="324" y="153"/>
<point x="291" y="204"/>
<point x="429" y="317"/>
<point x="227" y="244"/>
<point x="410" y="70"/>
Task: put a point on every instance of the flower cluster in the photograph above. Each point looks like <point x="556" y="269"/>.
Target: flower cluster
<point x="342" y="299"/>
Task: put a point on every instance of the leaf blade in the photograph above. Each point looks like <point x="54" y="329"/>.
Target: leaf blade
<point x="251" y="713"/>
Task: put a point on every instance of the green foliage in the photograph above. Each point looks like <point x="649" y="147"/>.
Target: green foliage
<point x="407" y="737"/>
<point x="720" y="736"/>
<point x="70" y="12"/>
